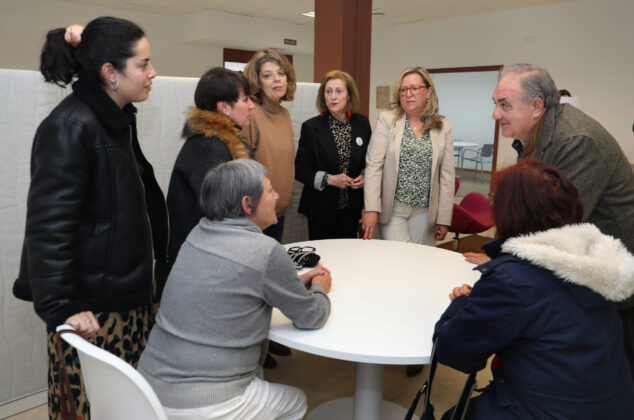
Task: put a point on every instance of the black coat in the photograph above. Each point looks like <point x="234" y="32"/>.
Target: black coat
<point x="317" y="152"/>
<point x="212" y="138"/>
<point x="95" y="212"/>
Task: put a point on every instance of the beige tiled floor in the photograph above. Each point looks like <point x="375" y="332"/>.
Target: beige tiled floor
<point x="324" y="379"/>
<point x="38" y="413"/>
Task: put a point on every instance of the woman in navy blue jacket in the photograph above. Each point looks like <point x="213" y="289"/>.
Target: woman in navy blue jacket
<point x="544" y="306"/>
<point x="330" y="160"/>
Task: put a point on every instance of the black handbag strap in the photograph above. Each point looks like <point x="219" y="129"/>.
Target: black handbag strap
<point x="66" y="399"/>
<point x="460" y="409"/>
<point x="425" y="389"/>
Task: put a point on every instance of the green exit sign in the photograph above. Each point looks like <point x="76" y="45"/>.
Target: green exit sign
<point x="288" y="41"/>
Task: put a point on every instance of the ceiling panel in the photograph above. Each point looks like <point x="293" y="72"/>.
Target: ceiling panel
<point x="388" y="12"/>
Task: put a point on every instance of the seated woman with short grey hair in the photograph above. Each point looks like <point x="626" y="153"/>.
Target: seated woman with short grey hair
<point x="204" y="354"/>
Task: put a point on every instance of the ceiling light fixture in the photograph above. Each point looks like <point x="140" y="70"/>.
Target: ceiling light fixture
<point x="310" y="14"/>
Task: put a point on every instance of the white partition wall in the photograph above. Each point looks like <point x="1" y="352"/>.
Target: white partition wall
<point x="24" y="101"/>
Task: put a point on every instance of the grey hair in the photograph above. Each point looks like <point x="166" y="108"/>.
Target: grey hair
<point x="536" y="82"/>
<point x="224" y="186"/>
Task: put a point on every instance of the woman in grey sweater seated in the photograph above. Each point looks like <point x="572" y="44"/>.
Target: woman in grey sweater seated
<point x="204" y="353"/>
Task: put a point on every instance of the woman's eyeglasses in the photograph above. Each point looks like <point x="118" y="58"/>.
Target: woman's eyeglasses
<point x="414" y="89"/>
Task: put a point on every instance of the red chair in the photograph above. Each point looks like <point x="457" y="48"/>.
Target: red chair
<point x="472" y="215"/>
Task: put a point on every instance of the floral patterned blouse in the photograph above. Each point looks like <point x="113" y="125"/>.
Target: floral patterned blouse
<point x="414" y="169"/>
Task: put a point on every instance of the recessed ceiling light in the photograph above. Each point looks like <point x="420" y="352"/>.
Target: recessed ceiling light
<point x="310" y="14"/>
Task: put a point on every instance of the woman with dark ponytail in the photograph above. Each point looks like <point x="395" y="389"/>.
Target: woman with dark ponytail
<point x="96" y="217"/>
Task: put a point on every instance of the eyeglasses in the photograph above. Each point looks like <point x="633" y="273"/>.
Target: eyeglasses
<point x="414" y="89"/>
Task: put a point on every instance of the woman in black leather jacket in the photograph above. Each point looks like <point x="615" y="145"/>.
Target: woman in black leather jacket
<point x="96" y="217"/>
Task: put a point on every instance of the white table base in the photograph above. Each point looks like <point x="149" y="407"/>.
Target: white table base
<point x="367" y="404"/>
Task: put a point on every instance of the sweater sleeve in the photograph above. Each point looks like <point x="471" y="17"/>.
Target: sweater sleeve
<point x="252" y="134"/>
<point x="308" y="309"/>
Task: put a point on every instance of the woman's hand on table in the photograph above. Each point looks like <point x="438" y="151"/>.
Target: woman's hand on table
<point x="464" y="290"/>
<point x="368" y="222"/>
<point x="357" y="183"/>
<point x="476" y="257"/>
<point x="320" y="270"/>
<point x="324" y="280"/>
<point x="440" y="231"/>
<point x="84" y="323"/>
<point x="340" y="181"/>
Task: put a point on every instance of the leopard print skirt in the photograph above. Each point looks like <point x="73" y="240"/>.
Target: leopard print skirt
<point x="123" y="334"/>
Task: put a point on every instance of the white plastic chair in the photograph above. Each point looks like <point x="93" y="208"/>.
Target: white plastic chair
<point x="115" y="390"/>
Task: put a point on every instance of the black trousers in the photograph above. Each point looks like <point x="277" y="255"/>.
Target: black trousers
<point x="345" y="226"/>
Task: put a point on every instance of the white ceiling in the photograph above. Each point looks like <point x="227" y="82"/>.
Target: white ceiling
<point x="386" y="12"/>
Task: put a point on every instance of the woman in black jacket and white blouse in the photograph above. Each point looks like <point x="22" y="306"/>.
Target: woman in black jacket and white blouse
<point x="330" y="160"/>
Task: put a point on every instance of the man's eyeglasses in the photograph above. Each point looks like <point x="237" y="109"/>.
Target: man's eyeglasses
<point x="414" y="89"/>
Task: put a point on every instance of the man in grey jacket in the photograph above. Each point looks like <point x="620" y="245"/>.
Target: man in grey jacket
<point x="204" y="354"/>
<point x="527" y="106"/>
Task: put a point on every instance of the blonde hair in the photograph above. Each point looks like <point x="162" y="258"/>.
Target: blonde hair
<point x="430" y="116"/>
<point x="353" y="93"/>
<point x="252" y="73"/>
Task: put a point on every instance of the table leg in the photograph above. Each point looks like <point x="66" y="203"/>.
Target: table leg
<point x="368" y="391"/>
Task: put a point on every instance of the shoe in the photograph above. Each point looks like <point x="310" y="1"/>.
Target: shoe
<point x="269" y="362"/>
<point x="413" y="370"/>
<point x="279" y="349"/>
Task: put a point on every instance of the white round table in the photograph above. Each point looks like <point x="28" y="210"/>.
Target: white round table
<point x="386" y="298"/>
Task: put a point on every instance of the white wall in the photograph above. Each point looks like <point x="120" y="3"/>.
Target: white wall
<point x="587" y="46"/>
<point x="24" y="24"/>
<point x="465" y="100"/>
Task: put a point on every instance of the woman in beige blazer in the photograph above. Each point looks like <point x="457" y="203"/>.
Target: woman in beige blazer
<point x="409" y="175"/>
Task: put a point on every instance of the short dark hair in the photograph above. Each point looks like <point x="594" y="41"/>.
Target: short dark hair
<point x="532" y="196"/>
<point x="104" y="40"/>
<point x="219" y="85"/>
<point x="224" y="186"/>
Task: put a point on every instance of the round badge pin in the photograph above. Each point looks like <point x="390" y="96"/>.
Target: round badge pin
<point x="359" y="141"/>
